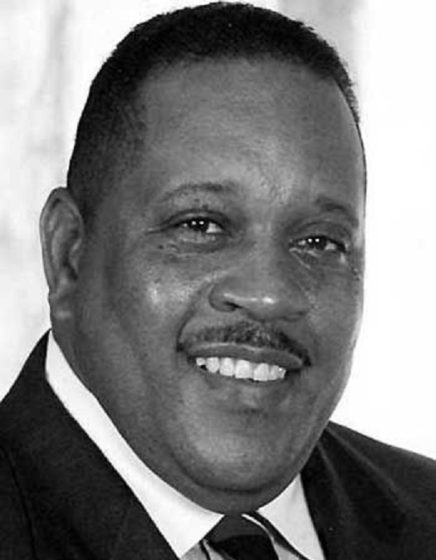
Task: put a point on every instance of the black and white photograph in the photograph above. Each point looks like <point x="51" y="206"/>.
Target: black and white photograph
<point x="217" y="283"/>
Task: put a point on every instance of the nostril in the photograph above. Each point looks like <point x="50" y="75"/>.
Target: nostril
<point x="223" y="299"/>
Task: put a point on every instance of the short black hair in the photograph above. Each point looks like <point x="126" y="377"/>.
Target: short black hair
<point x="109" y="130"/>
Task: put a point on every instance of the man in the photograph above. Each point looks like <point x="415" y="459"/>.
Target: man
<point x="205" y="267"/>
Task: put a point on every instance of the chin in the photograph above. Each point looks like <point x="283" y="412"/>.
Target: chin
<point x="231" y="481"/>
<point x="228" y="490"/>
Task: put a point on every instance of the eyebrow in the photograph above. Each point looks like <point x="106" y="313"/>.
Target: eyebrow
<point x="186" y="189"/>
<point x="327" y="204"/>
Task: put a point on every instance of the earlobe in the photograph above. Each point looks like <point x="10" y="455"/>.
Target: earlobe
<point x="62" y="238"/>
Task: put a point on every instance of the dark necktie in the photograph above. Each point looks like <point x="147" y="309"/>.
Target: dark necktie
<point x="238" y="538"/>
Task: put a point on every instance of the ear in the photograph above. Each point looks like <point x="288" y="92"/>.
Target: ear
<point x="62" y="238"/>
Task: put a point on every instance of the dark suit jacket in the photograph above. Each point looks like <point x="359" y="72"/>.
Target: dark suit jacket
<point x="60" y="499"/>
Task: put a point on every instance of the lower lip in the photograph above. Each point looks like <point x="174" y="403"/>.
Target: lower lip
<point x="235" y="396"/>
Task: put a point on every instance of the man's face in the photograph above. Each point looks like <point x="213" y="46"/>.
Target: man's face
<point x="237" y="241"/>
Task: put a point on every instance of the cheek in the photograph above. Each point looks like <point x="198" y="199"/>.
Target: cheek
<point x="336" y="322"/>
<point x="336" y="295"/>
<point x="338" y="318"/>
<point x="151" y="298"/>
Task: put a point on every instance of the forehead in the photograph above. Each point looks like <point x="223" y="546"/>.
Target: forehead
<point x="264" y="122"/>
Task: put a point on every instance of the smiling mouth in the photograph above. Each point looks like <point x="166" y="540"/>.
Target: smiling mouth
<point x="246" y="353"/>
<point x="241" y="369"/>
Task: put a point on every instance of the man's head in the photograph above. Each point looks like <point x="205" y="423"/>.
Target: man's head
<point x="205" y="265"/>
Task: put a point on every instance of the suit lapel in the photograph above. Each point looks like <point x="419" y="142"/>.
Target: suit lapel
<point x="78" y="506"/>
<point x="139" y="539"/>
<point x="355" y="514"/>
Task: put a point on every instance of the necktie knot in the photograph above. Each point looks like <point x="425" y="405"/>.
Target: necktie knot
<point x="238" y="538"/>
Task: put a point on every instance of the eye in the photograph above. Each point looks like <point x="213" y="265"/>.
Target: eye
<point x="202" y="225"/>
<point x="319" y="245"/>
<point x="199" y="232"/>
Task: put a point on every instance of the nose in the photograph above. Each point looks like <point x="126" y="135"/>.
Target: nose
<point x="261" y="287"/>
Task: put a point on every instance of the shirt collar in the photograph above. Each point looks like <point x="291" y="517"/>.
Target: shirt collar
<point x="288" y="512"/>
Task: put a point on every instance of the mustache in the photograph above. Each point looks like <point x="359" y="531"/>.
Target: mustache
<point x="248" y="334"/>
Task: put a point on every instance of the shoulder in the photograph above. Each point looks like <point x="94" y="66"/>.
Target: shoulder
<point x="402" y="464"/>
<point x="409" y="476"/>
<point x="379" y="498"/>
<point x="16" y="529"/>
<point x="15" y="534"/>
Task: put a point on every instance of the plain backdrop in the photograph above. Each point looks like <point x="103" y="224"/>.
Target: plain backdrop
<point x="52" y="48"/>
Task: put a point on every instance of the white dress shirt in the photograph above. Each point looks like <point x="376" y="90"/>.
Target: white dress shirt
<point x="288" y="512"/>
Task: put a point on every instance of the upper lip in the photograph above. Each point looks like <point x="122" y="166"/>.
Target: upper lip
<point x="291" y="361"/>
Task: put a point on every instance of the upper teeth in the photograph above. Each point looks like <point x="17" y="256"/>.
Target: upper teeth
<point x="241" y="369"/>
